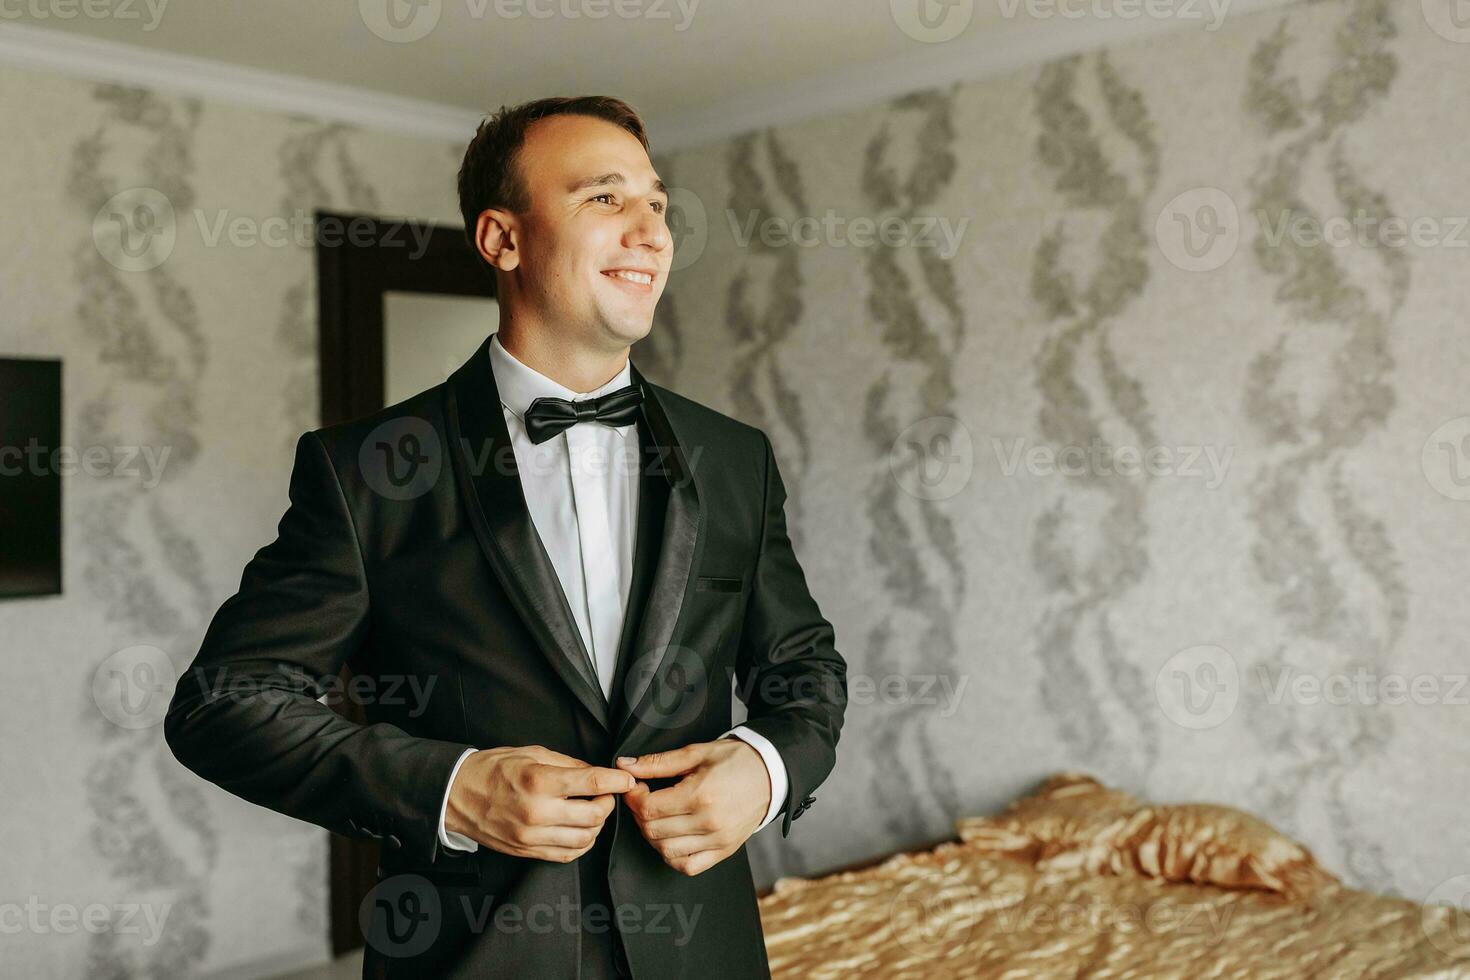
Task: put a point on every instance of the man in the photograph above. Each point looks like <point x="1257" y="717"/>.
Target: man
<point x="571" y="567"/>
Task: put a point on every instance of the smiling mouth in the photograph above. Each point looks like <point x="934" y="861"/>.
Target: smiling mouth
<point x="638" y="282"/>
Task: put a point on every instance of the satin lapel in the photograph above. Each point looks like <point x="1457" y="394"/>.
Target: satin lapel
<point x="676" y="559"/>
<point x="490" y="483"/>
<point x="653" y="505"/>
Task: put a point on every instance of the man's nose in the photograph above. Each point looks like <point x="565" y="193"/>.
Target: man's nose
<point x="650" y="229"/>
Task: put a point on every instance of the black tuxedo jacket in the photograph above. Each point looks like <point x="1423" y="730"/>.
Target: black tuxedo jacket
<point x="408" y="553"/>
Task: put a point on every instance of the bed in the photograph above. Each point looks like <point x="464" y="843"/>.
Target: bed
<point x="1081" y="880"/>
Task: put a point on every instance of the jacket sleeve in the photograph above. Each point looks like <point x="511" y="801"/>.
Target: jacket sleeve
<point x="245" y="715"/>
<point x="790" y="675"/>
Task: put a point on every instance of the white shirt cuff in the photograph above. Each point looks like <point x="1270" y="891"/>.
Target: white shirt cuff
<point x="453" y="841"/>
<point x="775" y="767"/>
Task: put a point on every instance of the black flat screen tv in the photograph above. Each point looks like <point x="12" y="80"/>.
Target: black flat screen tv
<point x="30" y="477"/>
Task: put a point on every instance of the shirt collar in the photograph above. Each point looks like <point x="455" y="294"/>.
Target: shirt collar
<point x="519" y="384"/>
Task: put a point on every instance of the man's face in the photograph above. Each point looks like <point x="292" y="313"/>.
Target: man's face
<point x="597" y="209"/>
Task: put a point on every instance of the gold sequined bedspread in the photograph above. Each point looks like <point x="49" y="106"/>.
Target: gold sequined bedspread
<point x="967" y="909"/>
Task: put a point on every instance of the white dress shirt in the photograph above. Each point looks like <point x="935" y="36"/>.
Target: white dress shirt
<point x="582" y="488"/>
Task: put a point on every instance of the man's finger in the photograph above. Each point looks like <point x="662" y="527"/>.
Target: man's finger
<point x="564" y="837"/>
<point x="697" y="863"/>
<point x="677" y="847"/>
<point x="579" y="812"/>
<point x="635" y="797"/>
<point x="561" y="855"/>
<point x="586" y="781"/>
<point x="671" y="802"/>
<point x="680" y="826"/>
<point x="674" y="762"/>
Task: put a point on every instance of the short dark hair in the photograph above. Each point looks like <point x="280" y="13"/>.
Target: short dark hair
<point x="490" y="177"/>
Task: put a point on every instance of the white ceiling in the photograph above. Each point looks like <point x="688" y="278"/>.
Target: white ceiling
<point x="695" y="69"/>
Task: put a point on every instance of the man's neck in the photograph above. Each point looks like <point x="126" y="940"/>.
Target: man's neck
<point x="572" y="367"/>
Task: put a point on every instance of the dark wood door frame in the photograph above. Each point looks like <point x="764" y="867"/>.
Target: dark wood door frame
<point x="358" y="259"/>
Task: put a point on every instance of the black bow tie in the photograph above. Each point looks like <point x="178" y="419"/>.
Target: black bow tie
<point x="547" y="416"/>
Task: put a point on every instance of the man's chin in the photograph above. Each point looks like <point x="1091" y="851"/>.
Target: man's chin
<point x="630" y="333"/>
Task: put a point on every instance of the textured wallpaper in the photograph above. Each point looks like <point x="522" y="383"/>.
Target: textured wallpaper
<point x="1122" y="406"/>
<point x="162" y="247"/>
<point x="1120" y="401"/>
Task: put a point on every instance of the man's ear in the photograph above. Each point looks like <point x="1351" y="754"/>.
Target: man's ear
<point x="495" y="239"/>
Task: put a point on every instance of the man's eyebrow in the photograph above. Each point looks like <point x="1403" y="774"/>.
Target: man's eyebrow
<point x="602" y="180"/>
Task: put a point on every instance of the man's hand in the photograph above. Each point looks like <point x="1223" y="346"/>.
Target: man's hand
<point x="521" y="800"/>
<point x="706" y="816"/>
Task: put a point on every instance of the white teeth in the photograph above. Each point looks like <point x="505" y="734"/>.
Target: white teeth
<point x="644" y="278"/>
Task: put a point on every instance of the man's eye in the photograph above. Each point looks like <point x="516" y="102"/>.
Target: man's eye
<point x="659" y="206"/>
